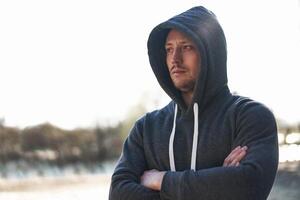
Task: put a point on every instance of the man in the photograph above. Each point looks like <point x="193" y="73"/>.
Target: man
<point x="206" y="143"/>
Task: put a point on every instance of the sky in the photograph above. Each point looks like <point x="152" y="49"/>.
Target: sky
<point x="77" y="63"/>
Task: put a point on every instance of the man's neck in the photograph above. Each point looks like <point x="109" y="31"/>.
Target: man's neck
<point x="187" y="97"/>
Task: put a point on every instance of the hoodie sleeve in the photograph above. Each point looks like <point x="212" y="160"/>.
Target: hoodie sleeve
<point x="125" y="183"/>
<point x="252" y="179"/>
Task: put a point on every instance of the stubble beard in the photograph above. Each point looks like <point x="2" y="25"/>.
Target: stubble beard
<point x="185" y="86"/>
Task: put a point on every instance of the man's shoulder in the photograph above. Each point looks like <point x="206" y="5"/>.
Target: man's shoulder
<point x="246" y="107"/>
<point x="158" y="114"/>
<point x="243" y="102"/>
<point x="162" y="112"/>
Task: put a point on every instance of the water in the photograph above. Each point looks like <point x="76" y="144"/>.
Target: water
<point x="24" y="170"/>
<point x="81" y="182"/>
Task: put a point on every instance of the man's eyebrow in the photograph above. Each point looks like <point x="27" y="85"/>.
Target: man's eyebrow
<point x="182" y="42"/>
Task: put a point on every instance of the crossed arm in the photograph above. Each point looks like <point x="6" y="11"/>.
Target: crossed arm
<point x="152" y="179"/>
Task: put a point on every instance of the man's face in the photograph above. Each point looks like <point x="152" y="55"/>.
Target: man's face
<point x="183" y="60"/>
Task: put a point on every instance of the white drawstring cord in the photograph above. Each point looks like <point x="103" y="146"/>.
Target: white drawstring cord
<point x="195" y="138"/>
<point x="171" y="142"/>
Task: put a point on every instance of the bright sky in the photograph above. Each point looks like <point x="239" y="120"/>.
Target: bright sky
<point x="78" y="62"/>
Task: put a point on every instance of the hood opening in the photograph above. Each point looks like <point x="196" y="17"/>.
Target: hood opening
<point x="203" y="28"/>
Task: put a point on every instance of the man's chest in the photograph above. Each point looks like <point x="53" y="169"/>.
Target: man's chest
<point x="214" y="143"/>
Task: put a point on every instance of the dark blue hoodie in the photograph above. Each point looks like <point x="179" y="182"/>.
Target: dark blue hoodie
<point x="191" y="142"/>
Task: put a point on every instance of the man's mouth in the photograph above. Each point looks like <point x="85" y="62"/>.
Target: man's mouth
<point x="177" y="71"/>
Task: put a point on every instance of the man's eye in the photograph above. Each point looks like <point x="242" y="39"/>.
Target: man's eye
<point x="169" y="50"/>
<point x="188" y="47"/>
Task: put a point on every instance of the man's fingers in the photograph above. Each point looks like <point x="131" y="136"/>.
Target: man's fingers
<point x="236" y="160"/>
<point x="235" y="150"/>
<point x="235" y="156"/>
<point x="229" y="158"/>
<point x="237" y="164"/>
<point x="152" y="179"/>
<point x="240" y="156"/>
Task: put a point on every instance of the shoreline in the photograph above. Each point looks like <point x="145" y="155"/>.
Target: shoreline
<point x="287" y="171"/>
<point x="96" y="186"/>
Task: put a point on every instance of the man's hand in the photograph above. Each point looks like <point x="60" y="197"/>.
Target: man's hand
<point x="234" y="158"/>
<point x="152" y="179"/>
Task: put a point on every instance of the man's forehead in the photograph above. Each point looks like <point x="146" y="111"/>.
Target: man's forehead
<point x="177" y="36"/>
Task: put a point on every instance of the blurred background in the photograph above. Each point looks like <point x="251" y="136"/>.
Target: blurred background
<point x="74" y="77"/>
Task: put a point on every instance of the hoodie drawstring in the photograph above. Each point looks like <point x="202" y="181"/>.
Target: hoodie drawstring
<point x="171" y="152"/>
<point x="195" y="140"/>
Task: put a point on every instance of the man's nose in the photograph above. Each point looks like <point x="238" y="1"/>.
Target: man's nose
<point x="177" y="56"/>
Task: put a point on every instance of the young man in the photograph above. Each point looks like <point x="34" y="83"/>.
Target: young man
<point x="206" y="143"/>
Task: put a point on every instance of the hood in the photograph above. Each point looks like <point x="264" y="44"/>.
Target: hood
<point x="202" y="26"/>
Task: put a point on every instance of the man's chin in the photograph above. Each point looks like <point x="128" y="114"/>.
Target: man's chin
<point x="184" y="87"/>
